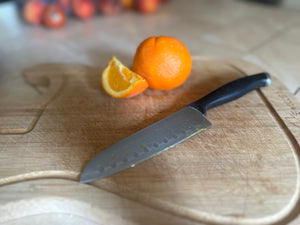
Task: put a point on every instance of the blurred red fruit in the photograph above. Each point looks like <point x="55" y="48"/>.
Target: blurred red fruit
<point x="54" y="17"/>
<point x="33" y="12"/>
<point x="147" y="6"/>
<point x="109" y="7"/>
<point x="83" y="9"/>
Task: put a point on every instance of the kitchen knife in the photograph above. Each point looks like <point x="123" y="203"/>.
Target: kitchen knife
<point x="169" y="131"/>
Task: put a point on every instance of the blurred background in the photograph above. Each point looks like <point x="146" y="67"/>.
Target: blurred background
<point x="264" y="32"/>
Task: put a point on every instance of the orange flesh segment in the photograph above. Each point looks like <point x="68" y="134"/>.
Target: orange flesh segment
<point x="122" y="76"/>
<point x="120" y="82"/>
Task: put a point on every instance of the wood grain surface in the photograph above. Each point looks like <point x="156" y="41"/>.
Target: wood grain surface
<point x="243" y="170"/>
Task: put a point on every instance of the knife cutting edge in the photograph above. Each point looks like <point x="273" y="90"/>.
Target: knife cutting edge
<point x="169" y="131"/>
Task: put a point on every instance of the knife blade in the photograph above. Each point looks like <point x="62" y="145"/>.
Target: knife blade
<point x="169" y="131"/>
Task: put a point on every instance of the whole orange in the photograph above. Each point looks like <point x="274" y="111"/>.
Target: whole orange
<point x="163" y="61"/>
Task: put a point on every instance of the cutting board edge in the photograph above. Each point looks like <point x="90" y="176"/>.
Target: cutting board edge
<point x="283" y="120"/>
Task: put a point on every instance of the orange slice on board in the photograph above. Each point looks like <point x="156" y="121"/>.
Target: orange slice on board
<point x="120" y="82"/>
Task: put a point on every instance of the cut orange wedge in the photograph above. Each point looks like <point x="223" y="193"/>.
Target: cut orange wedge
<point x="120" y="82"/>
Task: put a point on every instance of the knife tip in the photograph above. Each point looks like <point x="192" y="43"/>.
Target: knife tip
<point x="85" y="179"/>
<point x="88" y="178"/>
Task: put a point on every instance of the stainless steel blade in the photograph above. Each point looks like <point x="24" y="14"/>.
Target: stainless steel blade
<point x="146" y="143"/>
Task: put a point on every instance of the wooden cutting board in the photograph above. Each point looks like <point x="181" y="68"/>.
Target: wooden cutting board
<point x="243" y="170"/>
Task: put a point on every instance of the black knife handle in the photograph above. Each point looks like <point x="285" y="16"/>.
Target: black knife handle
<point x="231" y="91"/>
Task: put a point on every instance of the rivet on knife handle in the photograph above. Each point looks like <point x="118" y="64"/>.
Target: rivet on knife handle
<point x="232" y="91"/>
